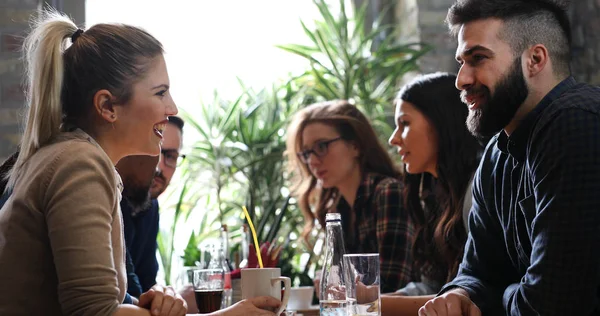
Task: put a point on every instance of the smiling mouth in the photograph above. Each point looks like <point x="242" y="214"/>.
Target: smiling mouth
<point x="473" y="105"/>
<point x="158" y="180"/>
<point x="473" y="101"/>
<point x="159" y="129"/>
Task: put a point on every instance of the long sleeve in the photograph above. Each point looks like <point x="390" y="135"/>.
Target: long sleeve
<point x="564" y="270"/>
<point x="147" y="265"/>
<point x="395" y="231"/>
<point x="133" y="282"/>
<point x="486" y="266"/>
<point x="81" y="208"/>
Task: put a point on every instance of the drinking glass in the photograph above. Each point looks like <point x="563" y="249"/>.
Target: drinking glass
<point x="208" y="287"/>
<point x="362" y="284"/>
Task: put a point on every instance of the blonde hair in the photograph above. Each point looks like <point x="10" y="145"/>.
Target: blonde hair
<point x="63" y="76"/>
<point x="42" y="51"/>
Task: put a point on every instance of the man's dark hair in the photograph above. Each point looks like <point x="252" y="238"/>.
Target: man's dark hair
<point x="177" y="121"/>
<point x="526" y="23"/>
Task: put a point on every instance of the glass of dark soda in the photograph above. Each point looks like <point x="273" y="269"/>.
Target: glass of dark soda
<point x="208" y="287"/>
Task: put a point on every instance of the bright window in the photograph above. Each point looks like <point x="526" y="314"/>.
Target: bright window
<point x="210" y="43"/>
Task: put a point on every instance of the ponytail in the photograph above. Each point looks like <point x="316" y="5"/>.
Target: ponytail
<point x="62" y="78"/>
<point x="43" y="55"/>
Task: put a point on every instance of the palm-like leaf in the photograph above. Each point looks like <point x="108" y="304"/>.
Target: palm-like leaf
<point x="348" y="63"/>
<point x="238" y="158"/>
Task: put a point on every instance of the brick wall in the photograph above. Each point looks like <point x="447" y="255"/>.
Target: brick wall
<point x="14" y="17"/>
<point x="433" y="31"/>
<point x="585" y="19"/>
<point x="14" y="22"/>
<point x="585" y="23"/>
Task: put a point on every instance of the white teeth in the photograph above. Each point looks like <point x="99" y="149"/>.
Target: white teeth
<point x="160" y="127"/>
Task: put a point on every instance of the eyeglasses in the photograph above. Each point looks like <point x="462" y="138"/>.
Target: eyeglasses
<point x="172" y="157"/>
<point x="319" y="149"/>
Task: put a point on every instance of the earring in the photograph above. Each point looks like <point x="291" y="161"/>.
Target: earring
<point x="112" y="116"/>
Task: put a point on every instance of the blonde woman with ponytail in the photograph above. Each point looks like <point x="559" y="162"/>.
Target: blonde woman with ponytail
<point x="93" y="97"/>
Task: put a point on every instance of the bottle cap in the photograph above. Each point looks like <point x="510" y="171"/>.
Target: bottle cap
<point x="333" y="217"/>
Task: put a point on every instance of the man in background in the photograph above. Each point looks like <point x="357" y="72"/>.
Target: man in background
<point x="143" y="182"/>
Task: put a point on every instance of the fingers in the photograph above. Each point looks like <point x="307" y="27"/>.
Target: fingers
<point x="146" y="299"/>
<point x="437" y="307"/>
<point x="163" y="301"/>
<point x="427" y="312"/>
<point x="260" y="312"/>
<point x="474" y="310"/>
<point x="187" y="293"/>
<point x="157" y="302"/>
<point x="265" y="302"/>
<point x="251" y="307"/>
<point x="430" y="309"/>
<point x="450" y="305"/>
<point x="453" y="306"/>
<point x="179" y="306"/>
<point x="168" y="301"/>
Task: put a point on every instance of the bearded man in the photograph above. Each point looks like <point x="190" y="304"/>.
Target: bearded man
<point x="534" y="242"/>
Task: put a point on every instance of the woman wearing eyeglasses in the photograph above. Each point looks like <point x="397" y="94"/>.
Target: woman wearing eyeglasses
<point x="339" y="165"/>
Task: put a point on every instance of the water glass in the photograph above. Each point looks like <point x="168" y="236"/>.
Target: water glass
<point x="362" y="284"/>
<point x="208" y="288"/>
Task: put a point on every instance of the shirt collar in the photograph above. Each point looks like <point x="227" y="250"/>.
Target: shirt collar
<point x="516" y="144"/>
<point x="119" y="183"/>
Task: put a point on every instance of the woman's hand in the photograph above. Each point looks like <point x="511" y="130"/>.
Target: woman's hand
<point x="163" y="301"/>
<point x="258" y="306"/>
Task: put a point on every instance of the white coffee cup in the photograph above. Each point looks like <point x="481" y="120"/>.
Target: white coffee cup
<point x="265" y="282"/>
<point x="300" y="298"/>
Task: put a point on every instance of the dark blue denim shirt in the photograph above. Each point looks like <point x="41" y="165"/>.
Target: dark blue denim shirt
<point x="534" y="242"/>
<point x="141" y="231"/>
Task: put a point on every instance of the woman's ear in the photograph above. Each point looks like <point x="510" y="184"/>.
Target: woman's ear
<point x="103" y="105"/>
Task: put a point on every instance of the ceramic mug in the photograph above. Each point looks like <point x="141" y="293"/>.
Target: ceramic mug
<point x="265" y="282"/>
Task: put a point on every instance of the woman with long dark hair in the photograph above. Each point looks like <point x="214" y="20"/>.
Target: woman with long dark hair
<point x="340" y="166"/>
<point x="440" y="158"/>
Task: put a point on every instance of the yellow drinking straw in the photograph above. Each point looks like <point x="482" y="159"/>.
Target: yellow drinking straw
<point x="256" y="247"/>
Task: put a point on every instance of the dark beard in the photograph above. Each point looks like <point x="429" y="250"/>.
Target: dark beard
<point x="137" y="197"/>
<point x="497" y="110"/>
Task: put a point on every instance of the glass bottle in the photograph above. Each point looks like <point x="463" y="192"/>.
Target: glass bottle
<point x="224" y="236"/>
<point x="217" y="261"/>
<point x="332" y="298"/>
<point x="245" y="247"/>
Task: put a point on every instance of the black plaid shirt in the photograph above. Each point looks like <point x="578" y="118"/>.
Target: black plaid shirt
<point x="534" y="243"/>
<point x="383" y="226"/>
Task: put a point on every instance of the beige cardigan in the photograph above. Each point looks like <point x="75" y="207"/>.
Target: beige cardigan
<point x="61" y="237"/>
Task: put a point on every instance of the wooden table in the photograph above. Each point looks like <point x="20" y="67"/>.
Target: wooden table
<point x="313" y="311"/>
